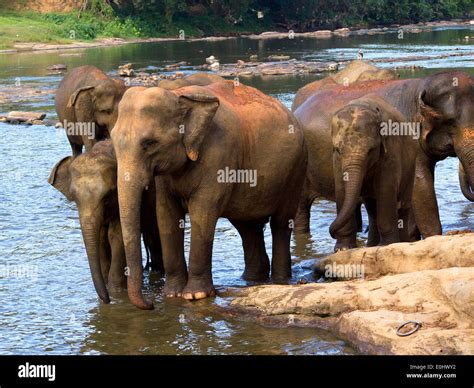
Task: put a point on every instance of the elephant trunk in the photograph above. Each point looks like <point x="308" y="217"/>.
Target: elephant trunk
<point x="465" y="152"/>
<point x="352" y="189"/>
<point x="466" y="188"/>
<point x="130" y="198"/>
<point x="90" y="226"/>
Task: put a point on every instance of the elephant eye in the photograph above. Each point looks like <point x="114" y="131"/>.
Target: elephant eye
<point x="148" y="143"/>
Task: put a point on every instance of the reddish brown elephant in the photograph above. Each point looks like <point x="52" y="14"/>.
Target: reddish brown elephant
<point x="214" y="151"/>
<point x="442" y="105"/>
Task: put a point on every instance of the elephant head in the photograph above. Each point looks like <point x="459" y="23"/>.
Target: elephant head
<point x="157" y="132"/>
<point x="90" y="181"/>
<point x="446" y="113"/>
<point x="99" y="102"/>
<point x="358" y="145"/>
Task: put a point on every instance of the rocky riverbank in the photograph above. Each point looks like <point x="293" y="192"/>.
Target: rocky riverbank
<point x="320" y="34"/>
<point x="430" y="283"/>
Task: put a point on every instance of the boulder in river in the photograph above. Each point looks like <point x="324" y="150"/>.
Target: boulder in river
<point x="58" y="67"/>
<point x="20" y="117"/>
<point x="429" y="282"/>
<point x="126" y="70"/>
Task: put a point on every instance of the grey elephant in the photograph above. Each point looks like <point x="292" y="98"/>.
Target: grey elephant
<point x="90" y="180"/>
<point x="86" y="103"/>
<point x="373" y="164"/>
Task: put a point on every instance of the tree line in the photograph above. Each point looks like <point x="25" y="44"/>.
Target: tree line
<point x="296" y="14"/>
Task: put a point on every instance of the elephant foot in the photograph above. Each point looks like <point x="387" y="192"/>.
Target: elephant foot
<point x="344" y="246"/>
<point x="256" y="274"/>
<point x="115" y="288"/>
<point x="174" y="286"/>
<point x="281" y="278"/>
<point x="389" y="238"/>
<point x="198" y="289"/>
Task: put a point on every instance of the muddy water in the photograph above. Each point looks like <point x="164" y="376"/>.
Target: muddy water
<point x="48" y="304"/>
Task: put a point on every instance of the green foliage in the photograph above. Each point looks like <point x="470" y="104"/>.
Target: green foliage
<point x="151" y="18"/>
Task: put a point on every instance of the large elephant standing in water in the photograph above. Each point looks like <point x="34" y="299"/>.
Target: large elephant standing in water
<point x="215" y="151"/>
<point x="86" y="104"/>
<point x="442" y="106"/>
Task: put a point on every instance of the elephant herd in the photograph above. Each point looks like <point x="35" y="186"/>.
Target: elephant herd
<point x="211" y="148"/>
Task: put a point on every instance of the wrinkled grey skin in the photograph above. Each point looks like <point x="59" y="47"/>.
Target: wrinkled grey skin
<point x="466" y="188"/>
<point x="87" y="97"/>
<point x="90" y="180"/>
<point x="377" y="167"/>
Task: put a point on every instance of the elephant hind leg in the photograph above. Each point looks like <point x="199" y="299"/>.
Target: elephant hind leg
<point x="281" y="225"/>
<point x="257" y="263"/>
<point x="303" y="215"/>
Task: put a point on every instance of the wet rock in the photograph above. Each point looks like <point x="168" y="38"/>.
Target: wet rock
<point x="435" y="252"/>
<point x="279" y="57"/>
<point x="126" y="70"/>
<point x="275" y="68"/>
<point x="58" y="67"/>
<point x="367" y="313"/>
<point x="175" y="66"/>
<point x="212" y="59"/>
<point x="342" y="32"/>
<point x="18" y="116"/>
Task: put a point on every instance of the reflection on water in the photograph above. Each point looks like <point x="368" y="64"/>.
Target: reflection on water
<point x="53" y="308"/>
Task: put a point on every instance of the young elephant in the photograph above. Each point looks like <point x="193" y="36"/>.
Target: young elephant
<point x="215" y="151"/>
<point x="90" y="180"/>
<point x="377" y="166"/>
<point x="86" y="104"/>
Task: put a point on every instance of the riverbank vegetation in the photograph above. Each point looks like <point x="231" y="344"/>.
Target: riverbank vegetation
<point x="92" y="19"/>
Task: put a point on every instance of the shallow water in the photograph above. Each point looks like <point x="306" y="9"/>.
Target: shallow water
<point x="54" y="309"/>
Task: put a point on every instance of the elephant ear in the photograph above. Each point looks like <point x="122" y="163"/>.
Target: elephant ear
<point x="427" y="115"/>
<point x="73" y="98"/>
<point x="199" y="111"/>
<point x="60" y="177"/>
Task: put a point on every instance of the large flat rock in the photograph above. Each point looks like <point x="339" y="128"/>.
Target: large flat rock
<point x="435" y="252"/>
<point x="367" y="312"/>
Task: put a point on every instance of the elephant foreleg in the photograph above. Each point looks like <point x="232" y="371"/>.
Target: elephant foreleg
<point x="387" y="214"/>
<point x="117" y="280"/>
<point x="203" y="225"/>
<point x="425" y="205"/>
<point x="171" y="217"/>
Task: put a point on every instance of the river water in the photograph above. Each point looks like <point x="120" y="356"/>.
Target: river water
<point x="48" y="304"/>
